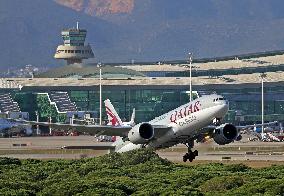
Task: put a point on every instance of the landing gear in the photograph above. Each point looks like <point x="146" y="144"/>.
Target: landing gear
<point x="190" y="155"/>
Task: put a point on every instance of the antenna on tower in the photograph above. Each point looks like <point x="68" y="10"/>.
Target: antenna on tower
<point x="77" y="25"/>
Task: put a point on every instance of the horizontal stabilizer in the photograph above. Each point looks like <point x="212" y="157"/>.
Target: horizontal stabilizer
<point x="94" y="147"/>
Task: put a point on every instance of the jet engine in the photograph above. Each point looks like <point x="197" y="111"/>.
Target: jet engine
<point x="225" y="134"/>
<point x="141" y="133"/>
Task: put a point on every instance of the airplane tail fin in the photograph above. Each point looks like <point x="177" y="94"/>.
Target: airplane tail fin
<point x="132" y="120"/>
<point x="113" y="117"/>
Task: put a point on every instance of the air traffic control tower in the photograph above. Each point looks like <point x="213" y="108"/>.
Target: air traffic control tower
<point x="74" y="49"/>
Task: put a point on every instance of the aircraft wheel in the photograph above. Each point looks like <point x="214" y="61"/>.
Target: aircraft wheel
<point x="191" y="159"/>
<point x="191" y="156"/>
<point x="185" y="157"/>
<point x="195" y="153"/>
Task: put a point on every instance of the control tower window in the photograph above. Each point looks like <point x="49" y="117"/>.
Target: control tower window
<point x="72" y="38"/>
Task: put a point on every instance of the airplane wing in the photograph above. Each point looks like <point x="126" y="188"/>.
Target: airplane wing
<point x="209" y="130"/>
<point x="92" y="129"/>
<point x="110" y="130"/>
<point x="257" y="125"/>
<point x="93" y="147"/>
<point x="212" y="127"/>
<point x="161" y="130"/>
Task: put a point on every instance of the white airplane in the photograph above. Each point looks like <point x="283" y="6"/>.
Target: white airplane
<point x="114" y="118"/>
<point x="270" y="137"/>
<point x="184" y="124"/>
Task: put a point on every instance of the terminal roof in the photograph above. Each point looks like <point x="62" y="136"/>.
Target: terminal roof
<point x="143" y="81"/>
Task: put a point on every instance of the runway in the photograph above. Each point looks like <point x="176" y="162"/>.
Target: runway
<point x="50" y="148"/>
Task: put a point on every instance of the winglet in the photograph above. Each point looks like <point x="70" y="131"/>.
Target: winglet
<point x="132" y="120"/>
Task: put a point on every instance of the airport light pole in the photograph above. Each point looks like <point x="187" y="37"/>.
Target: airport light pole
<point x="262" y="76"/>
<point x="190" y="76"/>
<point x="99" y="65"/>
<point x="37" y="120"/>
<point x="50" y="129"/>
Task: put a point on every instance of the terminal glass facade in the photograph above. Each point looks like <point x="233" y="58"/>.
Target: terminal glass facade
<point x="147" y="103"/>
<point x="244" y="103"/>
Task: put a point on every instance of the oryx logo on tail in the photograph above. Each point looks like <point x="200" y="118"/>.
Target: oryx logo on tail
<point x="113" y="117"/>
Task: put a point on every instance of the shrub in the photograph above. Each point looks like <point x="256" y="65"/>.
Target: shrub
<point x="222" y="184"/>
<point x="9" y="161"/>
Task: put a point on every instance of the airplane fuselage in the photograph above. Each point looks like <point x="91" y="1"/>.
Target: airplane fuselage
<point x="185" y="121"/>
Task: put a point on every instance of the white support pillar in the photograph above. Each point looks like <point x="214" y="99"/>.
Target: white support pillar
<point x="263" y="76"/>
<point x="37" y="120"/>
<point x="190" y="75"/>
<point x="50" y="129"/>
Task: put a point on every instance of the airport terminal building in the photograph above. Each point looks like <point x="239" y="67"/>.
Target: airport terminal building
<point x="151" y="96"/>
<point x="152" y="89"/>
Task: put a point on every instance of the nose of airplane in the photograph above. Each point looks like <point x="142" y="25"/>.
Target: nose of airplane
<point x="223" y="105"/>
<point x="223" y="109"/>
<point x="226" y="105"/>
<point x="221" y="102"/>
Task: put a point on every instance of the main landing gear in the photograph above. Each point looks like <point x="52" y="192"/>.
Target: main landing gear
<point x="190" y="155"/>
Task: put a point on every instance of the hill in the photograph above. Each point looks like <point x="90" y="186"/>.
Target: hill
<point x="143" y="30"/>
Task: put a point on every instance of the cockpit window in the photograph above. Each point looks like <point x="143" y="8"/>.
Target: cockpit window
<point x="219" y="99"/>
